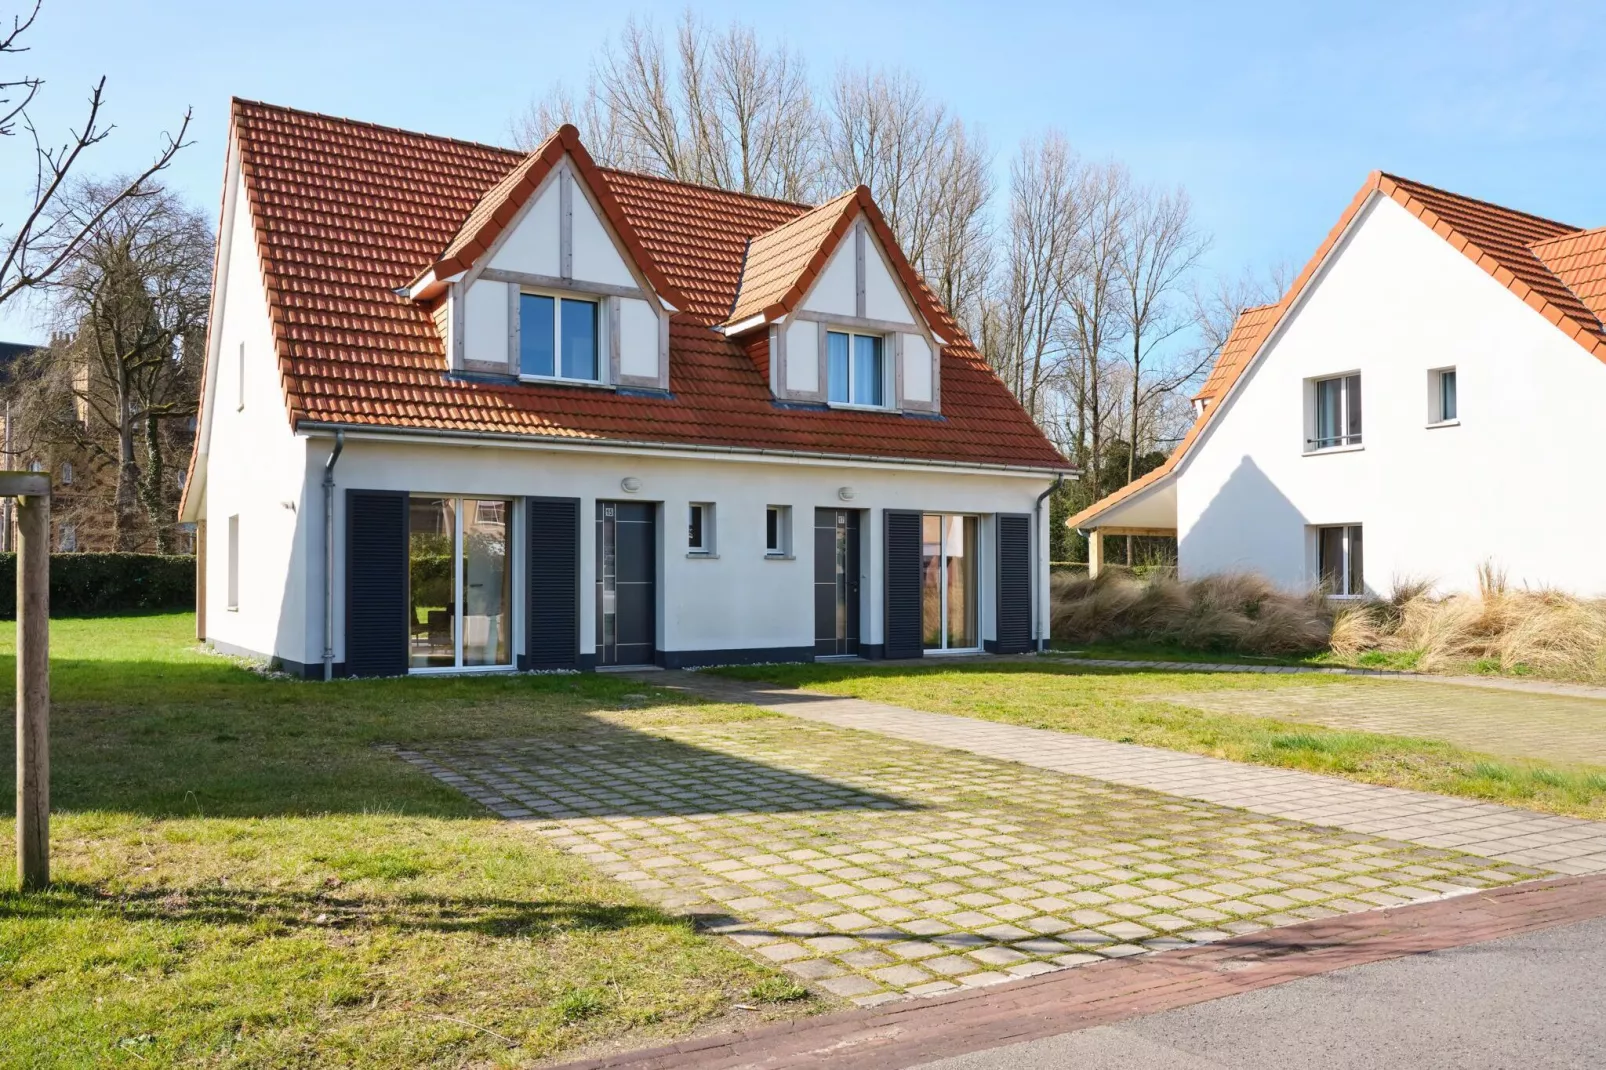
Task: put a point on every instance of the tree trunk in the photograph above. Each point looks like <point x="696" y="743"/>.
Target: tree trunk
<point x="126" y="502"/>
<point x="1132" y="444"/>
<point x="156" y="512"/>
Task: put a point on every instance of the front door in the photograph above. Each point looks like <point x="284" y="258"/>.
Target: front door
<point x="836" y="582"/>
<point x="627" y="599"/>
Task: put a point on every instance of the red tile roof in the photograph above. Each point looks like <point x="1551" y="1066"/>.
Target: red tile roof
<point x="347" y="212"/>
<point x="1557" y="269"/>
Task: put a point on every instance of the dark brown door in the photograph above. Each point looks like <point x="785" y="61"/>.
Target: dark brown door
<point x="627" y="596"/>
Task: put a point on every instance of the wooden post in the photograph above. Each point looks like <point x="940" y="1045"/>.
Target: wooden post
<point x="1095" y="553"/>
<point x="33" y="675"/>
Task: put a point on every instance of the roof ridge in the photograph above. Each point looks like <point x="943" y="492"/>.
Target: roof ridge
<point x="1534" y="246"/>
<point x="1402" y="180"/>
<point x="379" y="126"/>
<point x="631" y="172"/>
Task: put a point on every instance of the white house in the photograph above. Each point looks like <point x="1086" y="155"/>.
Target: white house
<point x="1427" y="397"/>
<point x="469" y="409"/>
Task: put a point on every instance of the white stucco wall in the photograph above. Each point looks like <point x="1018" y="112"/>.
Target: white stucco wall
<point x="485" y="322"/>
<point x="836" y="290"/>
<point x="1509" y="484"/>
<point x="532" y="245"/>
<point x="255" y="469"/>
<point x="738" y="599"/>
<point x="802" y="357"/>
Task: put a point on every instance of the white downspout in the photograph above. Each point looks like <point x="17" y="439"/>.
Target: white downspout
<point x="1039" y="642"/>
<point x="329" y="556"/>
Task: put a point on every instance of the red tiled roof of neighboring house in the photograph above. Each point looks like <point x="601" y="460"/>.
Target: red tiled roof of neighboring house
<point x="1579" y="261"/>
<point x="1557" y="269"/>
<point x="782" y="264"/>
<point x="346" y="213"/>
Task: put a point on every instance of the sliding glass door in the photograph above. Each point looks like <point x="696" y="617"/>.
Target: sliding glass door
<point x="460" y="583"/>
<point x="949" y="594"/>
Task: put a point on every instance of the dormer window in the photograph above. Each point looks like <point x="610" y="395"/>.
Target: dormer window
<point x="558" y="338"/>
<point x="856" y="369"/>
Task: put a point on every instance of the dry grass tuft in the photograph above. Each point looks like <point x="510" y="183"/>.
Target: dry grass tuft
<point x="1238" y="611"/>
<point x="1497" y="629"/>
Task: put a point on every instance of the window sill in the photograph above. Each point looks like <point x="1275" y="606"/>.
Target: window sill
<point x="553" y="380"/>
<point x="1443" y="423"/>
<point x="231" y="609"/>
<point x="1352" y="448"/>
<point x="1346" y="597"/>
<point x="701" y="555"/>
<point x="848" y="406"/>
<point x="779" y="557"/>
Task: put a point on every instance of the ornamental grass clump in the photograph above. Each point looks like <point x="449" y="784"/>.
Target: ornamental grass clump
<point x="1496" y="628"/>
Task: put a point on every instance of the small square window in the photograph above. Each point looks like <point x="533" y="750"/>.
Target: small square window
<point x="700" y="528"/>
<point x="778" y="531"/>
<point x="558" y="338"/>
<point x="855" y="369"/>
<point x="1442" y="407"/>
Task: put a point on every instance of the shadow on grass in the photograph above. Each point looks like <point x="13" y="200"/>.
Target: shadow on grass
<point x="199" y="736"/>
<point x="258" y="908"/>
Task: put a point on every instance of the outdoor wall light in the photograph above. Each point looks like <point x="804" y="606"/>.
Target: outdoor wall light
<point x="630" y="484"/>
<point x="845" y="493"/>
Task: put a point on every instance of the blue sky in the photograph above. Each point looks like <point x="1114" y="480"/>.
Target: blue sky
<point x="1270" y="114"/>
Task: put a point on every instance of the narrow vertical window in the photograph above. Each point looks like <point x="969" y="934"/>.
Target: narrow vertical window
<point x="1444" y="408"/>
<point x="700" y="528"/>
<point x="234" y="562"/>
<point x="537" y="334"/>
<point x="778" y="531"/>
<point x="836" y="373"/>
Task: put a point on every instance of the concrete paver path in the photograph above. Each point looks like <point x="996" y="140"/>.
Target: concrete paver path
<point x="872" y="867"/>
<point x="1502" y="833"/>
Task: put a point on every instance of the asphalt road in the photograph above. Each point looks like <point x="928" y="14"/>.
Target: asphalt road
<point x="1536" y="1002"/>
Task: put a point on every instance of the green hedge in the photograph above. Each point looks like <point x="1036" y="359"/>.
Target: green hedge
<point x="83" y="585"/>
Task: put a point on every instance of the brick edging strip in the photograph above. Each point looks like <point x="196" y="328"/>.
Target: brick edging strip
<point x="916" y="1031"/>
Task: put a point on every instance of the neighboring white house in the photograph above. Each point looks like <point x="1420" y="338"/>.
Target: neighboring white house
<point x="472" y="409"/>
<point x="1426" y="398"/>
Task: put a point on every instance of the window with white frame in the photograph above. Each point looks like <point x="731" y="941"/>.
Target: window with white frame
<point x="778" y="531"/>
<point x="234" y="562"/>
<point x="700" y="528"/>
<point x="69" y="537"/>
<point x="1442" y="408"/>
<point x="559" y="338"/>
<point x="66" y="473"/>
<point x="855" y="369"/>
<point x="1339" y="564"/>
<point x="1337" y="413"/>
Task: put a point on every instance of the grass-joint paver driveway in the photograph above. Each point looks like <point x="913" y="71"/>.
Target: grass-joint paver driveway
<point x="870" y="867"/>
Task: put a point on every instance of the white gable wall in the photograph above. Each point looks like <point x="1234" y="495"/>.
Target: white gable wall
<point x="255" y="470"/>
<point x="1510" y="484"/>
<point x="834" y="293"/>
<point x="531" y="244"/>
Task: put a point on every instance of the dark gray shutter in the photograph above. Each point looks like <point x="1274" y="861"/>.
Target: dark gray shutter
<point x="1014" y="583"/>
<point x="552" y="565"/>
<point x="901" y="580"/>
<point x="376" y="583"/>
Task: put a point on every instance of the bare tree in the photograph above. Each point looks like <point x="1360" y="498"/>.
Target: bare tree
<point x="1217" y="307"/>
<point x="1093" y="324"/>
<point x="1161" y="246"/>
<point x="130" y="307"/>
<point x="50" y="232"/>
<point x="1024" y="331"/>
<point x="719" y="110"/>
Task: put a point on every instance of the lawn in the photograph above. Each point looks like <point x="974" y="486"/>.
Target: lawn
<point x="244" y="879"/>
<point x="1122" y="705"/>
<point x="1140" y="650"/>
